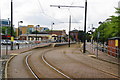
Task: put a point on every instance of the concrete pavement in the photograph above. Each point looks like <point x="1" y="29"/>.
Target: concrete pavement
<point x="101" y="55"/>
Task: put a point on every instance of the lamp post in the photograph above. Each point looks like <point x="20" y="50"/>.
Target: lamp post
<point x="36" y="32"/>
<point x="52" y="26"/>
<point x="103" y="39"/>
<point x="19" y="31"/>
<point x="18" y="28"/>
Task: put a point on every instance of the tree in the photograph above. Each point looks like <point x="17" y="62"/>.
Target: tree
<point x="109" y="28"/>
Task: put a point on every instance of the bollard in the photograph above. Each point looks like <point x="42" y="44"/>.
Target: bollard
<point x="18" y="46"/>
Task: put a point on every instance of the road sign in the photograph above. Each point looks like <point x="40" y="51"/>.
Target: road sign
<point x="12" y="38"/>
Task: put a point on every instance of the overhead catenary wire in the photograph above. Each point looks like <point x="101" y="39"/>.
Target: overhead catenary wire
<point x="44" y="13"/>
<point x="49" y="16"/>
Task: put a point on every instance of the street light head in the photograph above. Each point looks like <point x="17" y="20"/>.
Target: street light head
<point x="53" y="23"/>
<point x="20" y="21"/>
<point x="58" y="6"/>
<point x="100" y="22"/>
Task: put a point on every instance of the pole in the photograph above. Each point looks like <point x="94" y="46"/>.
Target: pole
<point x="7" y="42"/>
<point x="84" y="45"/>
<point x="18" y="35"/>
<point x="98" y="35"/>
<point x="18" y="29"/>
<point x="0" y="38"/>
<point x="69" y="28"/>
<point x="11" y="23"/>
<point x="36" y="33"/>
<point x="52" y="27"/>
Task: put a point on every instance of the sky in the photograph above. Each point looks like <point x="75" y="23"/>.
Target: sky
<point x="34" y="12"/>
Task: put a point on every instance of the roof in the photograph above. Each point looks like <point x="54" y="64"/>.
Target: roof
<point x="74" y="31"/>
<point x="113" y="38"/>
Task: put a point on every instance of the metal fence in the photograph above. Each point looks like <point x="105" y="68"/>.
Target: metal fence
<point x="104" y="52"/>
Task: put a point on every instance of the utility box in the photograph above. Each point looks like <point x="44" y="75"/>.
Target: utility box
<point x="114" y="46"/>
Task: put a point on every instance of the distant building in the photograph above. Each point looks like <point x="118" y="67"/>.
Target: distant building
<point x="74" y="35"/>
<point x="29" y="29"/>
<point x="58" y="32"/>
<point x="59" y="35"/>
<point x="43" y="29"/>
<point x="5" y="22"/>
<point x="25" y="30"/>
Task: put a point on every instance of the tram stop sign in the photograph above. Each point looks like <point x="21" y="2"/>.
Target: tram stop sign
<point x="12" y="39"/>
<point x="116" y="43"/>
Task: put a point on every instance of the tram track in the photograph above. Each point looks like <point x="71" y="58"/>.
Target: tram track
<point x="26" y="61"/>
<point x="43" y="62"/>
<point x="74" y="60"/>
<point x="47" y="64"/>
<point x="54" y="68"/>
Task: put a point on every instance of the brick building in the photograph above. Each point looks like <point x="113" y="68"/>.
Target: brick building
<point x="74" y="35"/>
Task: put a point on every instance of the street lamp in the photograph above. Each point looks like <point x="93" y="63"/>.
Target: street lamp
<point x="19" y="31"/>
<point x="102" y="33"/>
<point x="18" y="27"/>
<point x="36" y="32"/>
<point x="52" y="26"/>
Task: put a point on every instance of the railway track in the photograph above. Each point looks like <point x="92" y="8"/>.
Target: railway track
<point x="28" y="65"/>
<point x="47" y="64"/>
<point x="106" y="72"/>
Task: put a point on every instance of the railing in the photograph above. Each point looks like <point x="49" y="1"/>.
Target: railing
<point x="104" y="53"/>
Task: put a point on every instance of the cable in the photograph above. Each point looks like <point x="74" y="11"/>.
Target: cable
<point x="41" y="6"/>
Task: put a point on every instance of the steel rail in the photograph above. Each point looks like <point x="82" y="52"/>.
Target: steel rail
<point x="30" y="68"/>
<point x="44" y="60"/>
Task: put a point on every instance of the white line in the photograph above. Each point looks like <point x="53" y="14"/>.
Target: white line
<point x="55" y="68"/>
<point x="30" y="68"/>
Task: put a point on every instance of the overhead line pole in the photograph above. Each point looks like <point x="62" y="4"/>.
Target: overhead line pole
<point x="84" y="45"/>
<point x="11" y="24"/>
<point x="69" y="28"/>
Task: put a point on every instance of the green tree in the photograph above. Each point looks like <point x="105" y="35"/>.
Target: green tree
<point x="109" y="28"/>
<point x="7" y="30"/>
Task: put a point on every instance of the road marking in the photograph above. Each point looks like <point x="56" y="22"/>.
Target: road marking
<point x="14" y="54"/>
<point x="92" y="55"/>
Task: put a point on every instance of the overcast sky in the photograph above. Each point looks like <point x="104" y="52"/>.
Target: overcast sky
<point x="34" y="12"/>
